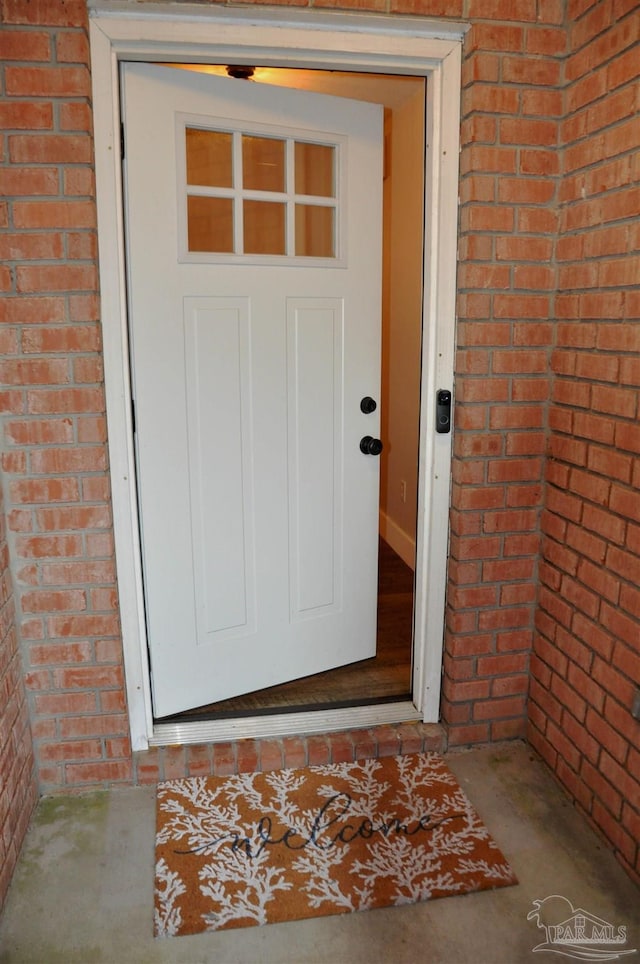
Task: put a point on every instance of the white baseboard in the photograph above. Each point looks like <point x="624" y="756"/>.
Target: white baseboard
<point x="398" y="539"/>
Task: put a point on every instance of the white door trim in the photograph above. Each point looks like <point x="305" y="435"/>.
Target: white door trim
<point x="285" y="38"/>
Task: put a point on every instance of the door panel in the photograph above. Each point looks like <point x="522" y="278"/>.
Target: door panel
<point x="218" y="379"/>
<point x="314" y="358"/>
<point x="258" y="511"/>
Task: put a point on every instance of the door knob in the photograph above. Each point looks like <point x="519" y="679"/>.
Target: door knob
<point x="370" y="445"/>
<point x="368" y="405"/>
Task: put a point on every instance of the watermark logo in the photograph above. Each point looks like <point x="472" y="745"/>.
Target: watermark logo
<point x="577" y="933"/>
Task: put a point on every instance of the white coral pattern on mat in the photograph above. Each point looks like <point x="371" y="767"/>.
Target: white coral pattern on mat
<point x="241" y="878"/>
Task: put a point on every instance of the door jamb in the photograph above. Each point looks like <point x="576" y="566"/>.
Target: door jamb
<point x="284" y="38"/>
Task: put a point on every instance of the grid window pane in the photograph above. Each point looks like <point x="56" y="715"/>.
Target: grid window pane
<point x="264" y="227"/>
<point x="210" y="224"/>
<point x="315" y="169"/>
<point x="315" y="231"/>
<point x="209" y="158"/>
<point x="263" y="164"/>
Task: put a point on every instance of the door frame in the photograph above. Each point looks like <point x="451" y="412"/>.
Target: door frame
<point x="302" y="39"/>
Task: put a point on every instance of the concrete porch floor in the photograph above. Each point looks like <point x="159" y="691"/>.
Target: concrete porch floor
<point x="83" y="889"/>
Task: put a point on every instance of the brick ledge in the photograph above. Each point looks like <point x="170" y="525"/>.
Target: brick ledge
<point x="255" y="755"/>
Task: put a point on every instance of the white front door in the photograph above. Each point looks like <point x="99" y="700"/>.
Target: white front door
<point x="254" y="237"/>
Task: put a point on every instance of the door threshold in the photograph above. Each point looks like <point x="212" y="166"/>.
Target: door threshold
<point x="284" y="724"/>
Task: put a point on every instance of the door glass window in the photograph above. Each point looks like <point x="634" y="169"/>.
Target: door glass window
<point x="315" y="169"/>
<point x="209" y="158"/>
<point x="248" y="194"/>
<point x="263" y="163"/>
<point x="264" y="227"/>
<point x="210" y="223"/>
<point x="315" y="231"/>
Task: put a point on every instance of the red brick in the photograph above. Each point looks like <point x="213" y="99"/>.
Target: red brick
<point x="527" y="132"/>
<point x="556" y="607"/>
<point x="24" y="45"/>
<point x="70" y="750"/>
<point x="522" y="10"/>
<point x="619" y="777"/>
<point x="530" y="71"/>
<point x="514" y="470"/>
<point x="542" y="103"/>
<point x="120" y="748"/>
<point x="496" y="709"/>
<point x="70" y="13"/>
<point x="549" y="41"/>
<point x="627" y="659"/>
<point x="64" y="401"/>
<point x="79" y="181"/>
<point x="50" y="81"/>
<point x="26" y="116"/>
<point x="28" y="180"/>
<point x="516" y="520"/>
<point x="605" y="736"/>
<point x="83" y="625"/>
<point x="247" y="756"/>
<point x="88" y="677"/>
<point x="493" y="36"/>
<point x="480" y="67"/>
<point x="480" y="217"/>
<point x="50" y="149"/>
<point x="105" y="773"/>
<point x="34" y="371"/>
<point x="294" y="752"/>
<point x="468" y="735"/>
<point x="521" y="544"/>
<point x="68" y="460"/>
<point x="67" y="276"/>
<point x="62" y="703"/>
<point x="318" y="750"/>
<point x="271" y="755"/>
<point x="54" y="214"/>
<point x="521" y="306"/>
<point x="224" y="759"/>
<point x="612" y="681"/>
<point x="623" y="69"/>
<point x="14" y="463"/>
<point x="40" y="547"/>
<point x="342" y="750"/>
<point x="52" y="654"/>
<point x="70" y="573"/>
<point x="526" y="190"/>
<point x="515" y="729"/>
<point x="624" y="502"/>
<point x="378" y="6"/>
<point x="44" y="601"/>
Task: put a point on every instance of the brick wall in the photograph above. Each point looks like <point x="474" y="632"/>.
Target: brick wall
<point x="18" y="789"/>
<point x="516" y="118"/>
<point x="511" y="110"/>
<point x="55" y="456"/>
<point x="54" y="453"/>
<point x="586" y="668"/>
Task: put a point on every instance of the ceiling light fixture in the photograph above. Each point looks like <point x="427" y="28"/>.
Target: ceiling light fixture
<point x="240" y="71"/>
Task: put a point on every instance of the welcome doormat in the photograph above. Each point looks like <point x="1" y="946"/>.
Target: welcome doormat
<point x="257" y="848"/>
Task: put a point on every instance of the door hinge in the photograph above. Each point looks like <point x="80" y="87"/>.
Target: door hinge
<point x="122" y="142"/>
<point x="133" y="415"/>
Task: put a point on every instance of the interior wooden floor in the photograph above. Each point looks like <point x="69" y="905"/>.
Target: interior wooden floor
<point x="385" y="677"/>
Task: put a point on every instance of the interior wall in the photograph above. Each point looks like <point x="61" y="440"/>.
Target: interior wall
<point x="585" y="674"/>
<point x="402" y="326"/>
